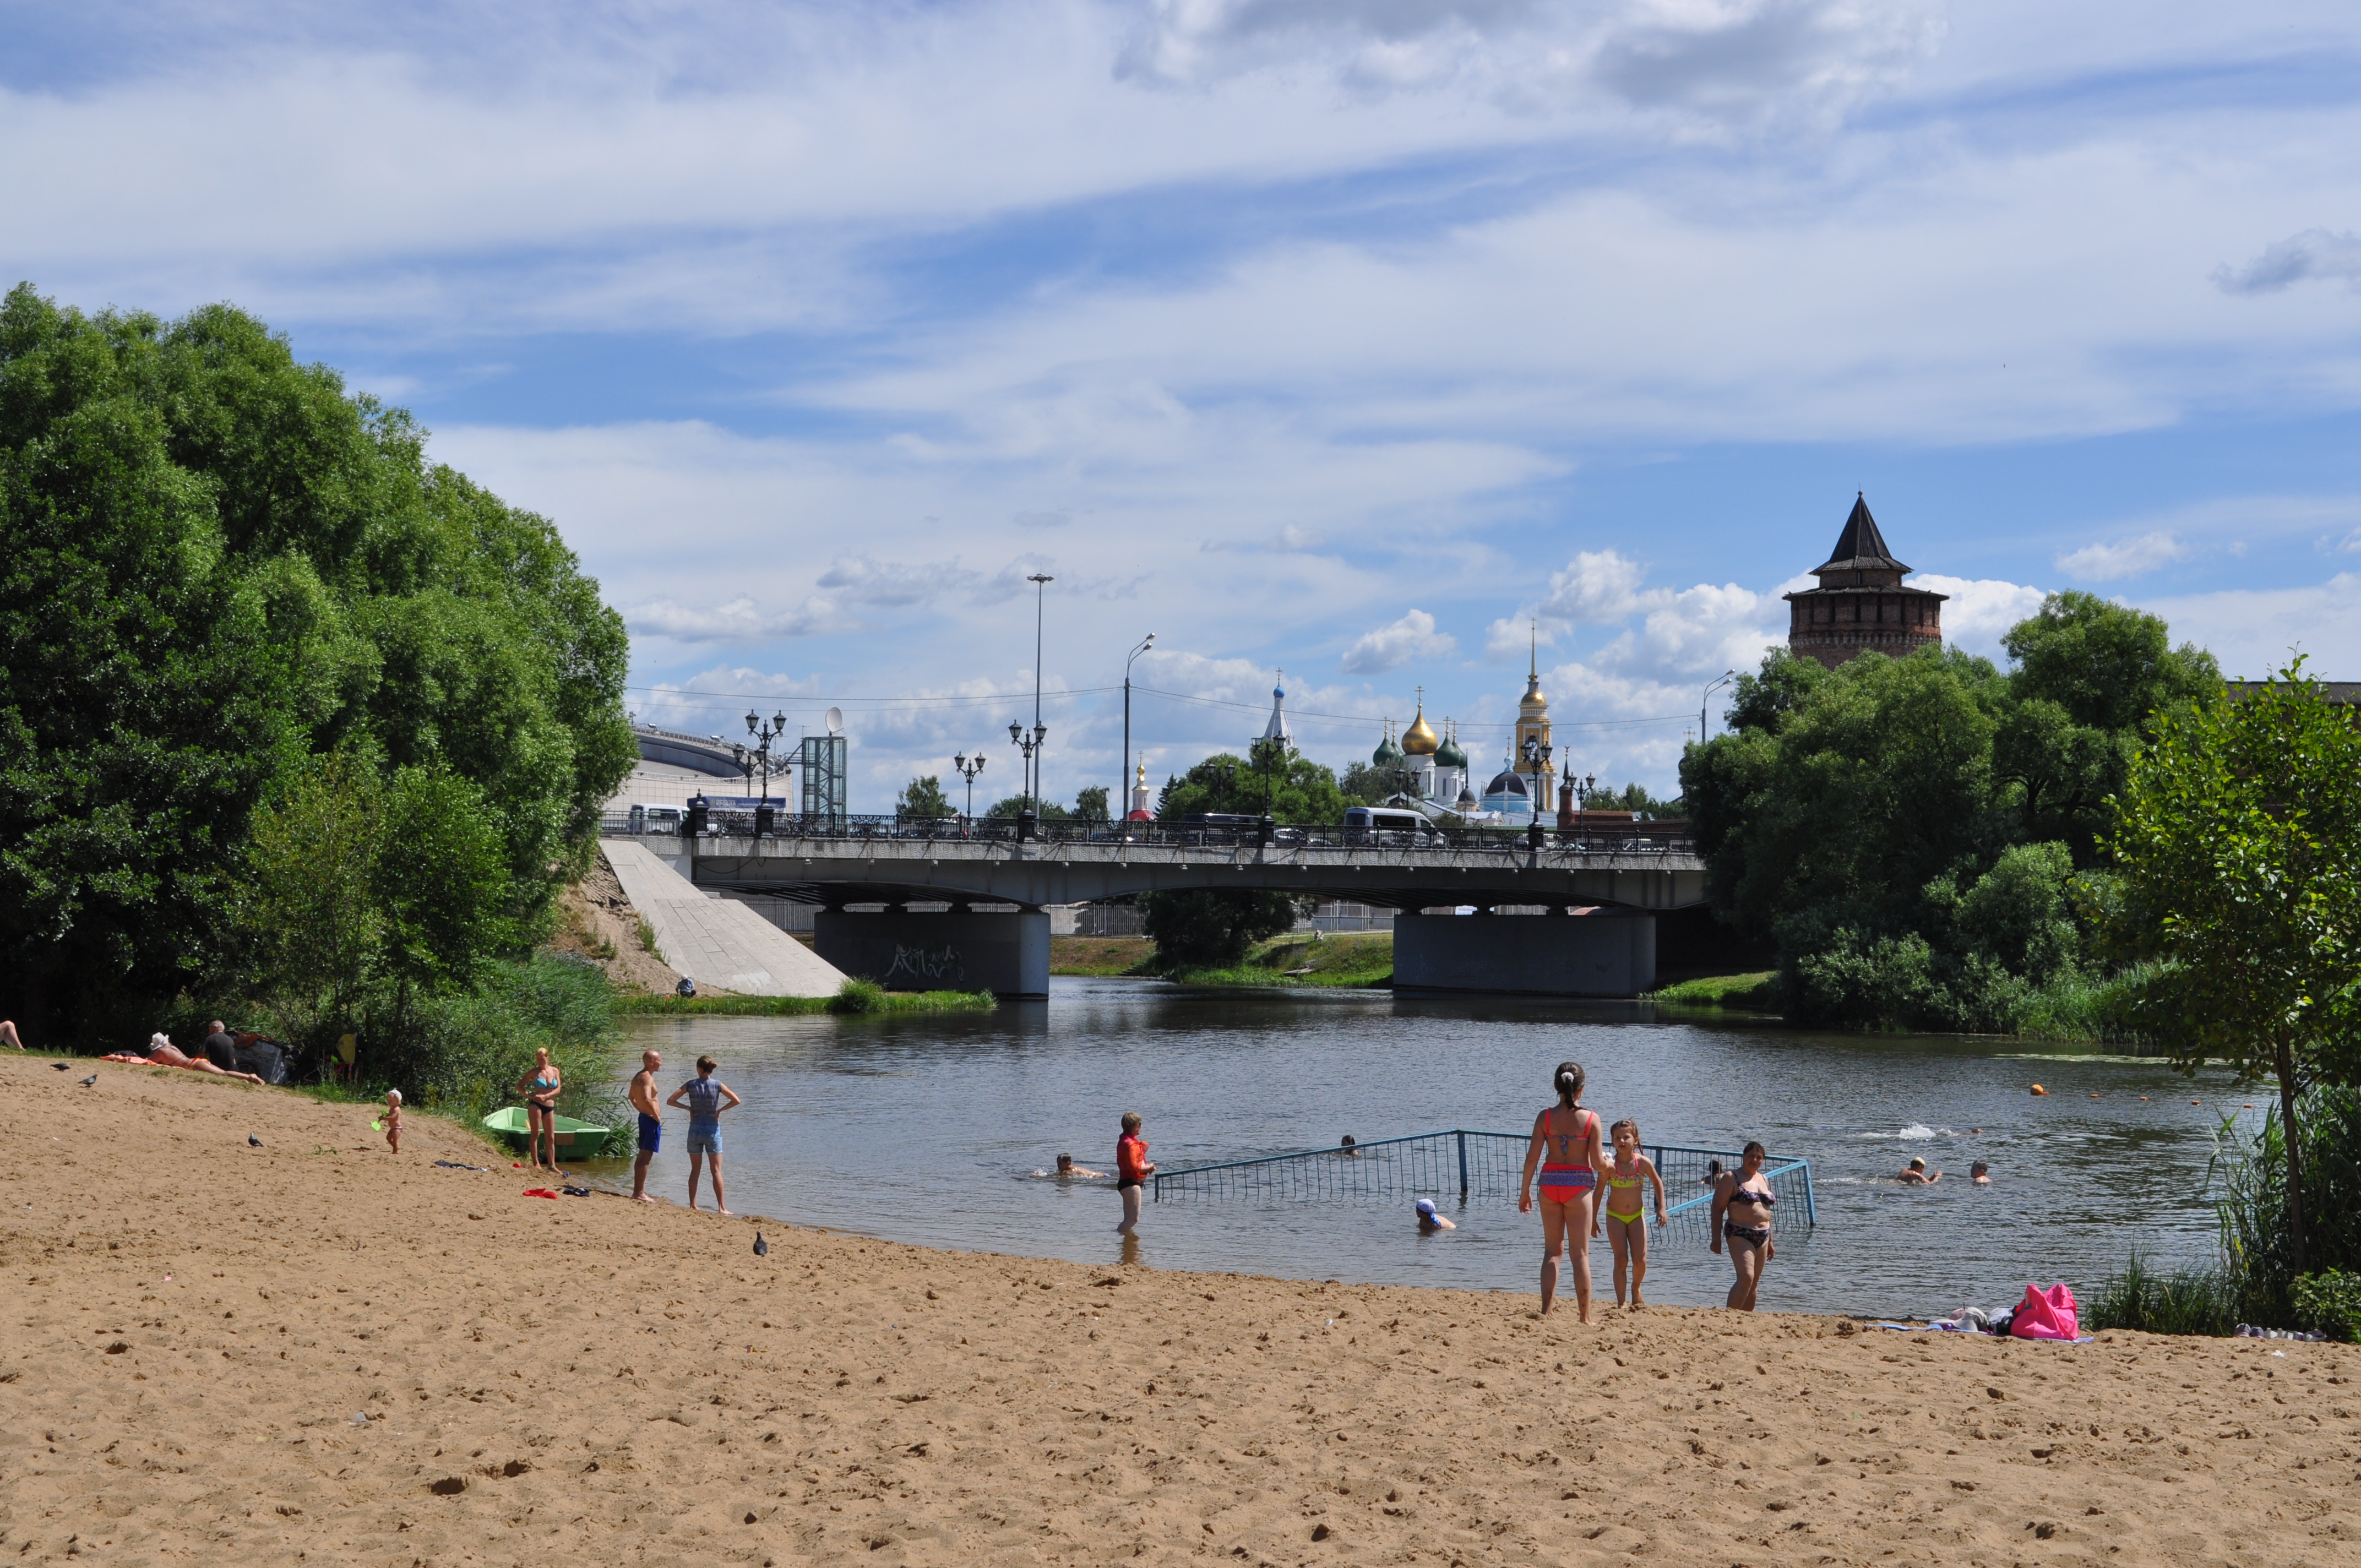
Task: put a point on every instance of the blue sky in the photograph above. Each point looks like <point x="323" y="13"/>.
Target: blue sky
<point x="1349" y="338"/>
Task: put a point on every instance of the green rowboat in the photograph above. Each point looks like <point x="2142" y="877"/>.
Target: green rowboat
<point x="582" y="1140"/>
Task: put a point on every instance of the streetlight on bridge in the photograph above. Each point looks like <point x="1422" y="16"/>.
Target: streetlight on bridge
<point x="968" y="768"/>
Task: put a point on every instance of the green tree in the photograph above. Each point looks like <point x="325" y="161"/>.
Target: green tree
<point x="1300" y="792"/>
<point x="1212" y="928"/>
<point x="1016" y="806"/>
<point x="922" y="798"/>
<point x="220" y="565"/>
<point x="1091" y="803"/>
<point x="1364" y="783"/>
<point x="2238" y="852"/>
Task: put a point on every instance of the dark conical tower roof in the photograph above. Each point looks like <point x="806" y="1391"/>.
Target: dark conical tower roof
<point x="1861" y="547"/>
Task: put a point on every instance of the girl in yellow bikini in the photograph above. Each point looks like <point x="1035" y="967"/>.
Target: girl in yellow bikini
<point x="1626" y="1215"/>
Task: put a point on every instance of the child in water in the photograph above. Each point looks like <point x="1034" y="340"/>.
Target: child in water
<point x="1626" y="1208"/>
<point x="393" y="1120"/>
<point x="1132" y="1169"/>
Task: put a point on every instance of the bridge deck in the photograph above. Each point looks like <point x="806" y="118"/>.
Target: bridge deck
<point x="837" y="868"/>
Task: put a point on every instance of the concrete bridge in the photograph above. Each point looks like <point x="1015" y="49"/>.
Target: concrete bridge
<point x="867" y="875"/>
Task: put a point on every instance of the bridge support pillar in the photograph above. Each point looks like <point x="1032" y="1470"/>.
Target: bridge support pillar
<point x="1603" y="952"/>
<point x="960" y="950"/>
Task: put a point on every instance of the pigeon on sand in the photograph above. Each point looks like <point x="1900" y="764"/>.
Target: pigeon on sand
<point x="91" y="1079"/>
<point x="762" y="1247"/>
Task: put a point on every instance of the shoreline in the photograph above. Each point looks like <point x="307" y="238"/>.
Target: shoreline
<point x="537" y="1379"/>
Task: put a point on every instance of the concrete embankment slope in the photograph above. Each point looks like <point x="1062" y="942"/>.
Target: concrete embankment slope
<point x="593" y="1380"/>
<point x="716" y="941"/>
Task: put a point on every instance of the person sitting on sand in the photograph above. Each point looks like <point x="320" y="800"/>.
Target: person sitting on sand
<point x="707" y="1097"/>
<point x="1568" y="1136"/>
<point x="8" y="1033"/>
<point x="1980" y="1174"/>
<point x="1915" y="1174"/>
<point x="1069" y="1171"/>
<point x="1626" y="1188"/>
<point x="1741" y="1216"/>
<point x="162" y="1052"/>
<point x="1429" y="1222"/>
<point x="642" y="1096"/>
<point x="1132" y="1168"/>
<point x="393" y="1120"/>
<point x="221" y="1046"/>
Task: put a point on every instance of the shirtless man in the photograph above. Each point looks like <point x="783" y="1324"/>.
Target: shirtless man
<point x="8" y="1033"/>
<point x="643" y="1100"/>
<point x="1915" y="1174"/>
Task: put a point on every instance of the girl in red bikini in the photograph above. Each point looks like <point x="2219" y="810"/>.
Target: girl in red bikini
<point x="1568" y="1135"/>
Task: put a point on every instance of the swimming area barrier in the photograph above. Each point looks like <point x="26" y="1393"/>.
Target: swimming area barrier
<point x="1474" y="1165"/>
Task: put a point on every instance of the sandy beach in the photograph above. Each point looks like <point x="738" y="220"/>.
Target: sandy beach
<point x="317" y="1351"/>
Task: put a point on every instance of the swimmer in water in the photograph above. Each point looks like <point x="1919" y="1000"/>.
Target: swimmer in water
<point x="1068" y="1170"/>
<point x="1980" y="1174"/>
<point x="1915" y="1174"/>
<point x="1712" y="1177"/>
<point x="1429" y="1222"/>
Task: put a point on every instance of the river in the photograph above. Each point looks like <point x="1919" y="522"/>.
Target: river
<point x="927" y="1129"/>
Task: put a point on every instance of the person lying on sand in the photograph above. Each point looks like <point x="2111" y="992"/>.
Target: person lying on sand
<point x="1429" y="1222"/>
<point x="1068" y="1170"/>
<point x="1915" y="1174"/>
<point x="8" y="1033"/>
<point x="162" y="1052"/>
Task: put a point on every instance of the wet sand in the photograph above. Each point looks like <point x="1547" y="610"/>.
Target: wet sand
<point x="194" y="1324"/>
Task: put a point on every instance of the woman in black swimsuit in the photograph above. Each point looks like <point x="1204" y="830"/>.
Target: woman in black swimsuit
<point x="1741" y="1216"/>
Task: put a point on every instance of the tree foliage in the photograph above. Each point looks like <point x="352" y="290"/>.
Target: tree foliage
<point x="1212" y="928"/>
<point x="1299" y="791"/>
<point x="220" y="566"/>
<point x="1910" y="831"/>
<point x="923" y="798"/>
<point x="2238" y="860"/>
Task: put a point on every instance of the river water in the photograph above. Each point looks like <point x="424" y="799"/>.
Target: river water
<point x="927" y="1129"/>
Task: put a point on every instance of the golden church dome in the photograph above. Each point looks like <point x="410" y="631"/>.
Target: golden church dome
<point x="1420" y="739"/>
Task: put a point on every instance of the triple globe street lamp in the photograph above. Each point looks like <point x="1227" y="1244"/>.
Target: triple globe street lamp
<point x="758" y="755"/>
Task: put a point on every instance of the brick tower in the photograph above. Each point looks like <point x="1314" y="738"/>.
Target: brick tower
<point x="1861" y="603"/>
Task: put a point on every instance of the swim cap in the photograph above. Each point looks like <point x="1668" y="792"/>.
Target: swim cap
<point x="1426" y="1208"/>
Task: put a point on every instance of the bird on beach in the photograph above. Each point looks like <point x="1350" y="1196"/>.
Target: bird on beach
<point x="762" y="1247"/>
<point x="59" y="1064"/>
<point x="91" y="1079"/>
<point x="252" y="1142"/>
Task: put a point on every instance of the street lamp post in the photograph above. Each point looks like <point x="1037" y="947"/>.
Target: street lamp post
<point x="761" y="754"/>
<point x="1537" y="761"/>
<point x="1122" y="784"/>
<point x="1028" y="815"/>
<point x="1712" y="686"/>
<point x="968" y="768"/>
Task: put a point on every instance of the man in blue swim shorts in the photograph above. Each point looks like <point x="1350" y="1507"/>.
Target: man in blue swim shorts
<point x="644" y="1101"/>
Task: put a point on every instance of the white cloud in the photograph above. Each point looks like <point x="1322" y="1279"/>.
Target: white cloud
<point x="1734" y="60"/>
<point x="741" y="619"/>
<point x="2252" y="630"/>
<point x="1980" y="609"/>
<point x="2314" y="253"/>
<point x="2123" y="558"/>
<point x="1391" y="646"/>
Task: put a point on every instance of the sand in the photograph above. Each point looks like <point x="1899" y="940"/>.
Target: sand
<point x="193" y="1325"/>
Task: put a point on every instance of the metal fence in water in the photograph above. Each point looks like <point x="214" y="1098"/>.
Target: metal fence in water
<point x="1473" y="1165"/>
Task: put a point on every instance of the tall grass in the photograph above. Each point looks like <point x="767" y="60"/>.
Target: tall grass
<point x="2190" y="1301"/>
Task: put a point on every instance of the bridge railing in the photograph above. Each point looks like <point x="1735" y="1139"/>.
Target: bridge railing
<point x="1475" y="1165"/>
<point x="1630" y="839"/>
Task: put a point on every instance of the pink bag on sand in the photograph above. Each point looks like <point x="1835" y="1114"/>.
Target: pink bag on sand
<point x="2046" y="1314"/>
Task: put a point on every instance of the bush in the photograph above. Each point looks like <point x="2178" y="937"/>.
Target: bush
<point x="2330" y="1302"/>
<point x="857" y="995"/>
<point x="2194" y="1301"/>
<point x="2255" y="1230"/>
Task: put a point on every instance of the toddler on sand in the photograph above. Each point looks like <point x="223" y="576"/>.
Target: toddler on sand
<point x="393" y="1120"/>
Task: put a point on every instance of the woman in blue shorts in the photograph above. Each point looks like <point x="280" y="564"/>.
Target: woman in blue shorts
<point x="707" y="1097"/>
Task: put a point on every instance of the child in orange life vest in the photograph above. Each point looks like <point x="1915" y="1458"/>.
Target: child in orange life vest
<point x="1132" y="1168"/>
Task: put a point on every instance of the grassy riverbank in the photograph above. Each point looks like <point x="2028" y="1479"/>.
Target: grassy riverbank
<point x="857" y="997"/>
<point x="1753" y="990"/>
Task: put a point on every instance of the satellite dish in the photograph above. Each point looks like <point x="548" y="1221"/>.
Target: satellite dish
<point x="835" y="722"/>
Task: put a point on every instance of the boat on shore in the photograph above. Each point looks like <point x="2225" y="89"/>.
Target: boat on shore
<point x="582" y="1140"/>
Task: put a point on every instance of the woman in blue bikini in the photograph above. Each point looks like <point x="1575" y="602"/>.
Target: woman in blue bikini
<point x="540" y="1088"/>
<point x="1568" y="1135"/>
